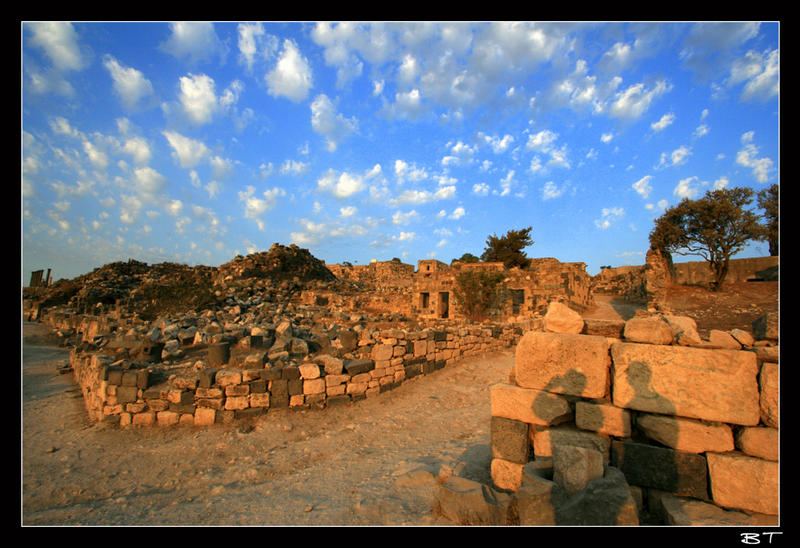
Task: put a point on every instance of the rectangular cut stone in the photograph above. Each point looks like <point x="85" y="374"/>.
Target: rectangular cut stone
<point x="661" y="468"/>
<point x="713" y="385"/>
<point x="528" y="405"/>
<point x="510" y="440"/>
<point x="746" y="483"/>
<point x="688" y="435"/>
<point x="575" y="365"/>
<point x="603" y="419"/>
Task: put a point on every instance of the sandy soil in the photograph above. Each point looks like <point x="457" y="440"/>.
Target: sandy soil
<point x="375" y="462"/>
<point x="371" y="463"/>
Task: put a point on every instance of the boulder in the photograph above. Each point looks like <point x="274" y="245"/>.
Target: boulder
<point x="562" y="319"/>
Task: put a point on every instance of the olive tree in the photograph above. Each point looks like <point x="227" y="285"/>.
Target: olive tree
<point x="715" y="227"/>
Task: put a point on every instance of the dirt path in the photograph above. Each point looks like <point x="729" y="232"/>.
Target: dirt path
<point x="374" y="462"/>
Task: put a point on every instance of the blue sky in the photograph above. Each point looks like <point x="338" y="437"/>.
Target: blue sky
<point x="194" y="142"/>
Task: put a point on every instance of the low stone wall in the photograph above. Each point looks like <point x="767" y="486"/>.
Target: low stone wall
<point x="599" y="430"/>
<point x="220" y="389"/>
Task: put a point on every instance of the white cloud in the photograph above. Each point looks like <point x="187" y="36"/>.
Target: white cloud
<point x="129" y="84"/>
<point x="664" y="122"/>
<point x="499" y="144"/>
<point x="748" y="157"/>
<point x="59" y="42"/>
<point x="700" y="131"/>
<point x="551" y="190"/>
<point x="608" y="216"/>
<point x="347" y="211"/>
<point x="480" y="189"/>
<point x="341" y="185"/>
<point x="424" y="196"/>
<point x="188" y="152"/>
<point x="255" y="207"/>
<point x="643" y="186"/>
<point x="294" y="167"/>
<point x="195" y="41"/>
<point x="606" y="137"/>
<point x="458" y="213"/>
<point x="675" y="158"/>
<point x="761" y="73"/>
<point x="291" y="77"/>
<point x="687" y="188"/>
<point x="149" y="182"/>
<point x="139" y="149"/>
<point x="635" y="100"/>
<point x="330" y="124"/>
<point x="174" y="207"/>
<point x="198" y="97"/>
<point x="400" y="218"/>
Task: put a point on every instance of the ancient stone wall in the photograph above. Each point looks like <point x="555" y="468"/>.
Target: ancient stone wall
<point x="595" y="430"/>
<point x="228" y="385"/>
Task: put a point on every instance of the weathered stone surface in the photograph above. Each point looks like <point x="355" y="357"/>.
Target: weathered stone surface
<point x="759" y="441"/>
<point x="769" y="381"/>
<point x="648" y="329"/>
<point x="683" y="511"/>
<point x="528" y="405"/>
<point x="225" y="377"/>
<point x="684" y="329"/>
<point x="309" y="371"/>
<point x="723" y="339"/>
<point x="574" y="467"/>
<point x="603" y="328"/>
<point x="603" y="419"/>
<point x="745" y="338"/>
<point x="510" y="440"/>
<point x="330" y="364"/>
<point x="562" y="319"/>
<point x="546" y="438"/>
<point x="713" y="385"/>
<point x="673" y="471"/>
<point x="506" y="475"/>
<point x="468" y="502"/>
<point x="355" y="367"/>
<point x="314" y="386"/>
<point x="687" y="435"/>
<point x="537" y="499"/>
<point x="577" y="365"/>
<point x="382" y="352"/>
<point x="744" y="483"/>
<point x="604" y="501"/>
<point x="767" y="326"/>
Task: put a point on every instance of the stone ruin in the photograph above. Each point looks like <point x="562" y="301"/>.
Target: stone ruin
<point x="601" y="423"/>
<point x="648" y="425"/>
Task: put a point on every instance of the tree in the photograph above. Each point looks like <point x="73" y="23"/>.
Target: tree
<point x="508" y="249"/>
<point x="466" y="258"/>
<point x="715" y="227"/>
<point x="478" y="292"/>
<point x="768" y="201"/>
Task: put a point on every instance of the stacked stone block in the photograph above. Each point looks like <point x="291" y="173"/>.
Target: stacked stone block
<point x="227" y="387"/>
<point x="688" y="427"/>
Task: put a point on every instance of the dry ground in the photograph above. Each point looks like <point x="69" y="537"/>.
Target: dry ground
<point x="371" y="463"/>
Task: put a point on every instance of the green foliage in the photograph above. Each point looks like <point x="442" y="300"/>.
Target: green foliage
<point x="508" y="248"/>
<point x="466" y="258"/>
<point x="715" y="227"/>
<point x="768" y="201"/>
<point x="479" y="292"/>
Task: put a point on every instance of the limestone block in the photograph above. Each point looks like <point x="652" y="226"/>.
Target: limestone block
<point x="661" y="468"/>
<point x="537" y="499"/>
<point x="143" y="419"/>
<point x="237" y="402"/>
<point x="574" y="467"/>
<point x="576" y="365"/>
<point x="562" y="319"/>
<point x="226" y="377"/>
<point x="682" y="511"/>
<point x="314" y="386"/>
<point x="309" y="371"/>
<point x="382" y="352"/>
<point x="687" y="435"/>
<point x="713" y="385"/>
<point x="546" y="438"/>
<point x="528" y="405"/>
<point x="744" y="483"/>
<point x="684" y="329"/>
<point x="648" y="329"/>
<point x="759" y="441"/>
<point x="506" y="475"/>
<point x="259" y="400"/>
<point x="604" y="501"/>
<point x="510" y="440"/>
<point x="167" y="418"/>
<point x="769" y="381"/>
<point x="745" y="338"/>
<point x="603" y="419"/>
<point x="767" y="326"/>
<point x="723" y="339"/>
<point x="467" y="502"/>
